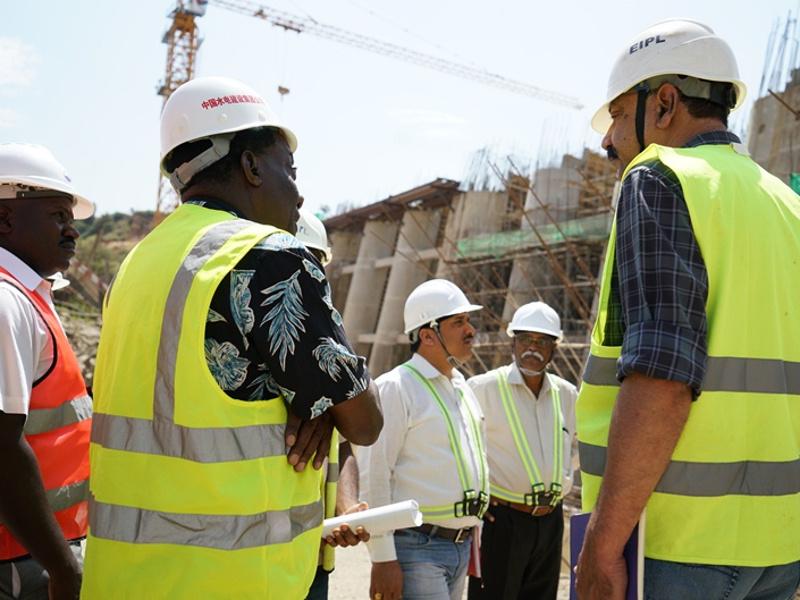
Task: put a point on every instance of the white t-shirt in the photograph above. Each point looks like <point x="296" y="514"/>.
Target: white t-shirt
<point x="26" y="346"/>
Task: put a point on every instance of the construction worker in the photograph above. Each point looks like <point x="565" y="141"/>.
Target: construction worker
<point x="340" y="491"/>
<point x="217" y="332"/>
<point x="311" y="231"/>
<point x="530" y="426"/>
<point x="45" y="412"/>
<point x="431" y="450"/>
<point x="688" y="404"/>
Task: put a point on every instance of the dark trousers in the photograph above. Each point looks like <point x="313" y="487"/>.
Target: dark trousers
<point x="520" y="556"/>
<point x="319" y="587"/>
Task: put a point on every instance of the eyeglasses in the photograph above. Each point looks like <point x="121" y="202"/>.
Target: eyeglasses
<point x="527" y="339"/>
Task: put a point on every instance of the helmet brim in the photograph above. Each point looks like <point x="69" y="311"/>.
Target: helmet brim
<point x="82" y="207"/>
<point x="556" y="334"/>
<point x="601" y="120"/>
<point x="456" y="311"/>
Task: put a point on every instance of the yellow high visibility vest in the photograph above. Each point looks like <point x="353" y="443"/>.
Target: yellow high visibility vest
<point x="731" y="493"/>
<point x="478" y="498"/>
<point x="191" y="492"/>
<point x="535" y="477"/>
<point x="329" y="493"/>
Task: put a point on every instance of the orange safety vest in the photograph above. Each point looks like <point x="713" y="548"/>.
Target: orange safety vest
<point x="57" y="430"/>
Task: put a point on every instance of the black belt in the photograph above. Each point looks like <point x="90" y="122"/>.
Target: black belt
<point x="457" y="536"/>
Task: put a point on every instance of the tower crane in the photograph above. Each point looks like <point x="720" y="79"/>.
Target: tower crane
<point x="311" y="26"/>
<point x="183" y="42"/>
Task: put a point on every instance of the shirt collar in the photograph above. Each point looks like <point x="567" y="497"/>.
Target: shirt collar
<point x="722" y="136"/>
<point x="427" y="370"/>
<point x="215" y="204"/>
<point x="515" y="378"/>
<point x="20" y="270"/>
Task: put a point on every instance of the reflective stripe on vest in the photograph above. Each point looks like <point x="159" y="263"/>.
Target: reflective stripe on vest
<point x="447" y="511"/>
<point x="57" y="430"/>
<point x="730" y="494"/>
<point x="41" y="420"/>
<point x="521" y="441"/>
<point x="723" y="374"/>
<point x="223" y="532"/>
<point x="185" y="479"/>
<point x="329" y="493"/>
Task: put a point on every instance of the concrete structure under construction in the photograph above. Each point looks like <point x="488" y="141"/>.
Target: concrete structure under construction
<point x="774" y="139"/>
<point x="539" y="238"/>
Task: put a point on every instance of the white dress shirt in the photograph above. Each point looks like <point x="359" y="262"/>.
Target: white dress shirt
<point x="26" y="346"/>
<point x="536" y="415"/>
<point x="412" y="458"/>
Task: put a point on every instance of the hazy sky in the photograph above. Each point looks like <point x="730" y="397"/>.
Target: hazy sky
<point x="80" y="77"/>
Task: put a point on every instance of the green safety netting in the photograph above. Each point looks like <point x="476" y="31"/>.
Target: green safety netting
<point x="595" y="227"/>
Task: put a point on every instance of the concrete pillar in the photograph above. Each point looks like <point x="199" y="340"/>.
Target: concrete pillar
<point x="363" y="301"/>
<point x="558" y="188"/>
<point x="418" y="232"/>
<point x="344" y="248"/>
<point x="472" y="214"/>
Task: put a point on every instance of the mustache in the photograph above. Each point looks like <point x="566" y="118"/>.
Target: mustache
<point x="534" y="354"/>
<point x="611" y="152"/>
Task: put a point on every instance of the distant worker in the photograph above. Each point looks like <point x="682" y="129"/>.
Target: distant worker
<point x="311" y="231"/>
<point x="431" y="450"/>
<point x="690" y="403"/>
<point x="45" y="412"/>
<point x="218" y="334"/>
<point x="530" y="427"/>
<point x="340" y="485"/>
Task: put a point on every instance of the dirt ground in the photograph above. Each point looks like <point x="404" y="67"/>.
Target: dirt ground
<point x="350" y="580"/>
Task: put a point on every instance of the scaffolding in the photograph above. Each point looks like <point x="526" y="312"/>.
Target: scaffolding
<point x="505" y="236"/>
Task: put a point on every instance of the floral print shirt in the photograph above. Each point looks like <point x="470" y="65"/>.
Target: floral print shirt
<point x="272" y="330"/>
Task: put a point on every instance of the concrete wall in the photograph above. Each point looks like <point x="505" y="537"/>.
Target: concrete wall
<point x="360" y="315"/>
<point x="344" y="248"/>
<point x="418" y="233"/>
<point x="774" y="138"/>
<point x="471" y="214"/>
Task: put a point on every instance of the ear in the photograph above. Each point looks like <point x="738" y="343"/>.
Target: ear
<point x="426" y="337"/>
<point x="249" y="165"/>
<point x="667" y="99"/>
<point x="5" y="218"/>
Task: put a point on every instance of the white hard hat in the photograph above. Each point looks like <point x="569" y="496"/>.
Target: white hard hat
<point x="535" y="316"/>
<point x="209" y="108"/>
<point x="58" y="281"/>
<point x="311" y="231"/>
<point x="672" y="47"/>
<point x="32" y="166"/>
<point x="434" y="300"/>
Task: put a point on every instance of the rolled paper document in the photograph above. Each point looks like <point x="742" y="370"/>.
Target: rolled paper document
<point x="378" y="520"/>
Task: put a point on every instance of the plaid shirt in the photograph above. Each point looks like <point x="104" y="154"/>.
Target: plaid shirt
<point x="659" y="284"/>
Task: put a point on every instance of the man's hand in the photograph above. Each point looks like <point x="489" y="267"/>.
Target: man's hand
<point x="600" y="577"/>
<point x="307" y="438"/>
<point x="386" y="582"/>
<point x="66" y="585"/>
<point x="344" y="536"/>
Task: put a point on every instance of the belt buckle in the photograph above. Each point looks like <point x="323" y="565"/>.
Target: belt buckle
<point x="460" y="536"/>
<point x="541" y="510"/>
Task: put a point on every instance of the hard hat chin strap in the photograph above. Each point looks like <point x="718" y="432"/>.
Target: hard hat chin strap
<point x="718" y="92"/>
<point x="452" y="360"/>
<point x="642" y="91"/>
